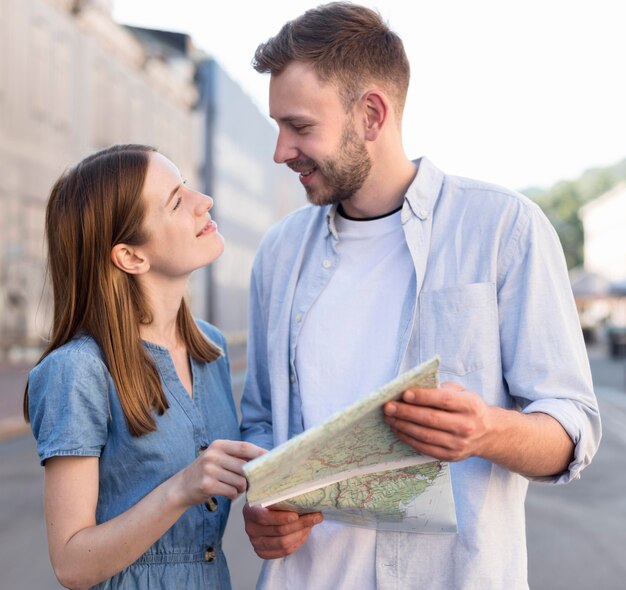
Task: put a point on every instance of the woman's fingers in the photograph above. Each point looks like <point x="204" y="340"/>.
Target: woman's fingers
<point x="236" y="448"/>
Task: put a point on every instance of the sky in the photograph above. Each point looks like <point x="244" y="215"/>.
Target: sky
<point x="520" y="93"/>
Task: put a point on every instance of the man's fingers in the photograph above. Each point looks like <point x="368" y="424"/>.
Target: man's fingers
<point x="452" y="385"/>
<point x="276" y="547"/>
<point x="269" y="517"/>
<point x="445" y="397"/>
<point x="450" y="397"/>
<point x="263" y="516"/>
<point x="276" y="533"/>
<point x="424" y="434"/>
<point x="282" y="527"/>
<point x="443" y="435"/>
<point x="425" y="416"/>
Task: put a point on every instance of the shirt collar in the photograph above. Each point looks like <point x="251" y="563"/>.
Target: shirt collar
<point x="423" y="192"/>
<point x="419" y="200"/>
<point x="330" y="222"/>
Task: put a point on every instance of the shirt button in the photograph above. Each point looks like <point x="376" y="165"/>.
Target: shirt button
<point x="423" y="214"/>
<point x="202" y="449"/>
<point x="299" y="317"/>
<point x="209" y="554"/>
<point x="292" y="378"/>
<point x="211" y="504"/>
<point x="327" y="264"/>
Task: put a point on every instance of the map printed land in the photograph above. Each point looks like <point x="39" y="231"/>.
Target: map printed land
<point x="353" y="469"/>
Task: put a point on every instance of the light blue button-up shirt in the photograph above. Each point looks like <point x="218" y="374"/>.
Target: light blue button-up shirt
<point x="492" y="297"/>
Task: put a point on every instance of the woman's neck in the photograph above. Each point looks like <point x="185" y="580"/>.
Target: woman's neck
<point x="164" y="302"/>
<point x="165" y="335"/>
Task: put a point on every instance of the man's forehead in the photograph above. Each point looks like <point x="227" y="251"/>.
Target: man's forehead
<point x="297" y="91"/>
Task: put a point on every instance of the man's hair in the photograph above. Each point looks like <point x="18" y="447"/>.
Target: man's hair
<point x="347" y="44"/>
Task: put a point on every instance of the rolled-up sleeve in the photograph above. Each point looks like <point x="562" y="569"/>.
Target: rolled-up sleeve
<point x="544" y="359"/>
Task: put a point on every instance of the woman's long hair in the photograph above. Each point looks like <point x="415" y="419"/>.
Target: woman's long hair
<point x="93" y="207"/>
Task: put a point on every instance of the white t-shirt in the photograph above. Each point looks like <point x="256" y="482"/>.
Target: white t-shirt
<point x="347" y="347"/>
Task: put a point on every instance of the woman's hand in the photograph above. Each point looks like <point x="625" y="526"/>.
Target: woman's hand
<point x="218" y="471"/>
<point x="84" y="554"/>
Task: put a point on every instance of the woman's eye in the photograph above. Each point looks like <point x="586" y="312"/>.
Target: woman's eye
<point x="178" y="202"/>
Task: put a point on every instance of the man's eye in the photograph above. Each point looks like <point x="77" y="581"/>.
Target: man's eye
<point x="301" y="128"/>
<point x="178" y="202"/>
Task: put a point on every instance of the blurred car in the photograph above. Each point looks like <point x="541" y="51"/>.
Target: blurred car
<point x="616" y="324"/>
<point x="616" y="334"/>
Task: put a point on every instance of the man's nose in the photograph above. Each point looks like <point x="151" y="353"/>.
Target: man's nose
<point x="285" y="150"/>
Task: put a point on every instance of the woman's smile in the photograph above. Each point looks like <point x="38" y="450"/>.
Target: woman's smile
<point x="210" y="227"/>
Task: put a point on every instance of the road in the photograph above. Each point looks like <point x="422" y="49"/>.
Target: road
<point x="576" y="533"/>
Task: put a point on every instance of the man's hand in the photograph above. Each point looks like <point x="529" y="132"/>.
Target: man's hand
<point x="277" y="533"/>
<point x="449" y="423"/>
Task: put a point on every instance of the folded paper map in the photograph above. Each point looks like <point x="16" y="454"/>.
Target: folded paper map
<point x="355" y="470"/>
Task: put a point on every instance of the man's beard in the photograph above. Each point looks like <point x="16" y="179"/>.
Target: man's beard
<point x="343" y="174"/>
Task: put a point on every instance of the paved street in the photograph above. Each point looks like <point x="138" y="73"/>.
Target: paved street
<point x="12" y="381"/>
<point x="576" y="533"/>
<point x="24" y="555"/>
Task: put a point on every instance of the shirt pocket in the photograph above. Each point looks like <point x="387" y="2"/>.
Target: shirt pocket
<point x="460" y="324"/>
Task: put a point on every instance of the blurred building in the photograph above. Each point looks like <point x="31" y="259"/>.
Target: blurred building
<point x="251" y="192"/>
<point x="604" y="220"/>
<point x="73" y="81"/>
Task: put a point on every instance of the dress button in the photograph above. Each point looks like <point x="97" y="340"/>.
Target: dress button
<point x="209" y="554"/>
<point x="327" y="264"/>
<point x="211" y="505"/>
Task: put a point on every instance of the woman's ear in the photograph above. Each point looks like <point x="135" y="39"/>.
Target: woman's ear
<point x="376" y="111"/>
<point x="129" y="260"/>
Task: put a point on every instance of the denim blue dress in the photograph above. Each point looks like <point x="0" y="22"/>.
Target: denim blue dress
<point x="75" y="411"/>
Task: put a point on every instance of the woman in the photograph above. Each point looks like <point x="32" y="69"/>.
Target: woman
<point x="131" y="402"/>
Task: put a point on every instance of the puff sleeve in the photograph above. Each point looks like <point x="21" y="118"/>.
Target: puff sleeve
<point x="68" y="404"/>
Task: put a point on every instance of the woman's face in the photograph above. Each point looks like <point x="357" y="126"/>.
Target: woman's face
<point x="181" y="234"/>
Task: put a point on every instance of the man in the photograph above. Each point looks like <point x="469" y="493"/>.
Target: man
<point x="395" y="262"/>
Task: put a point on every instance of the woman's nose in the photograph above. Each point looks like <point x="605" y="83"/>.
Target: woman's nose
<point x="204" y="204"/>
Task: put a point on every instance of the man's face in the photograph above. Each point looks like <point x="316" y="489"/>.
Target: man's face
<point x="317" y="138"/>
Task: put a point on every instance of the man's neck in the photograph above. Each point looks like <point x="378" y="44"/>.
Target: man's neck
<point x="382" y="192"/>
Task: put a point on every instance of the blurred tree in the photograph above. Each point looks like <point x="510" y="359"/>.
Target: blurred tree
<point x="562" y="201"/>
